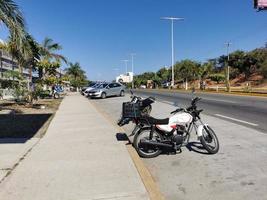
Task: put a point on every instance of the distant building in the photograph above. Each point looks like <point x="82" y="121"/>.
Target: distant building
<point x="125" y="78"/>
<point x="7" y="63"/>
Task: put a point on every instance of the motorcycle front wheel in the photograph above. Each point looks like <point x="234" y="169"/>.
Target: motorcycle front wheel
<point x="209" y="140"/>
<point x="146" y="150"/>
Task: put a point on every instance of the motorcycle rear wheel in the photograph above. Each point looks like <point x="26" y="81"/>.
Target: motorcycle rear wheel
<point x="147" y="151"/>
<point x="208" y="137"/>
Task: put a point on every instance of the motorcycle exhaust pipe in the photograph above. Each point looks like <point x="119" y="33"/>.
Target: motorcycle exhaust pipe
<point x="154" y="143"/>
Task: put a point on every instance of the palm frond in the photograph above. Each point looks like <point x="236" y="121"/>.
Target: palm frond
<point x="12" y="17"/>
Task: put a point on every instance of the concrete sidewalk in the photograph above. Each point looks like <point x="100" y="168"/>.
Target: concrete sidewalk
<point x="79" y="158"/>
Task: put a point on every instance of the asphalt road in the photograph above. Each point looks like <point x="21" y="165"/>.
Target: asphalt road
<point x="244" y="110"/>
<point x="238" y="171"/>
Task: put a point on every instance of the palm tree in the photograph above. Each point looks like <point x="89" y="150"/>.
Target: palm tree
<point x="12" y="17"/>
<point x="30" y="54"/>
<point x="75" y="70"/>
<point x="77" y="75"/>
<point x="48" y="55"/>
<point x="48" y="48"/>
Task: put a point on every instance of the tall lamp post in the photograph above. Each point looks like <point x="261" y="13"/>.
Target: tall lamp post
<point x="125" y="61"/>
<point x="172" y="20"/>
<point x="228" y="68"/>
<point x="132" y="55"/>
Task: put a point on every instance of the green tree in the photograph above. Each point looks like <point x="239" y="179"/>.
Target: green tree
<point x="32" y="55"/>
<point x="49" y="58"/>
<point x="164" y="74"/>
<point x="205" y="69"/>
<point x="260" y="54"/>
<point x="76" y="75"/>
<point x="217" y="77"/>
<point x="242" y="61"/>
<point x="186" y="70"/>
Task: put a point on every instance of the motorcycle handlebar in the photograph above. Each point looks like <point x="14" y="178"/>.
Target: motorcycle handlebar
<point x="195" y="100"/>
<point x="177" y="110"/>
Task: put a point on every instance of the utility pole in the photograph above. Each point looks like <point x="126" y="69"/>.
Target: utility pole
<point x="172" y="19"/>
<point x="228" y="68"/>
<point x="132" y="55"/>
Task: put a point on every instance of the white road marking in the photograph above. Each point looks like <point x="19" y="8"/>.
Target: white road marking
<point x="238" y="120"/>
<point x="167" y="102"/>
<point x="226" y="101"/>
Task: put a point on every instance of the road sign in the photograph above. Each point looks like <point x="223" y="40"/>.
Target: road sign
<point x="260" y="4"/>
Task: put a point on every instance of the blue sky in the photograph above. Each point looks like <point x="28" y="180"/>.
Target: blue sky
<point x="101" y="33"/>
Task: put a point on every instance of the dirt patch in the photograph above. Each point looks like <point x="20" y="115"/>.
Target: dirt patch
<point x="24" y="121"/>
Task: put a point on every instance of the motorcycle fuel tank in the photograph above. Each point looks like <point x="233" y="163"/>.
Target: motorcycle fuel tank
<point x="181" y="118"/>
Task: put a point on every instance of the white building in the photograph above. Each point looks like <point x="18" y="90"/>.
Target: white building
<point x="125" y="78"/>
<point x="7" y="63"/>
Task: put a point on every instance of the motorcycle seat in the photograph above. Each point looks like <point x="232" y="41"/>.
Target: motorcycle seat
<point x="153" y="120"/>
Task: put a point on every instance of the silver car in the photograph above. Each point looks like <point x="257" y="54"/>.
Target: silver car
<point x="107" y="89"/>
<point x="88" y="89"/>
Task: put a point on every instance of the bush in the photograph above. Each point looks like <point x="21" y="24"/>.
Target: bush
<point x="20" y="93"/>
<point x="234" y="73"/>
<point x="263" y="70"/>
<point x="38" y="90"/>
<point x="217" y="77"/>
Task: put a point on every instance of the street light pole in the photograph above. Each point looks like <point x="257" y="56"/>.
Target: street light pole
<point x="228" y="68"/>
<point x="172" y="20"/>
<point x="126" y="67"/>
<point x="133" y="54"/>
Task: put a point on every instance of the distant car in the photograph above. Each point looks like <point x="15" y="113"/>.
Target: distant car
<point x="142" y="86"/>
<point x="107" y="89"/>
<point x="166" y="84"/>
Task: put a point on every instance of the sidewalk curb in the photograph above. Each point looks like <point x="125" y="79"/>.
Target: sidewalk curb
<point x="40" y="134"/>
<point x="146" y="177"/>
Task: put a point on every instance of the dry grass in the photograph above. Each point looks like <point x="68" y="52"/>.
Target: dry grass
<point x="26" y="121"/>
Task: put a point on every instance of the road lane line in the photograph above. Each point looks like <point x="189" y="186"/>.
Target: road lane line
<point x="167" y="102"/>
<point x="238" y="120"/>
<point x="219" y="100"/>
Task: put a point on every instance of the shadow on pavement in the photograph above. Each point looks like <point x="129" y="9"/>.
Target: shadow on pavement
<point x="122" y="137"/>
<point x="13" y="140"/>
<point x="18" y="128"/>
<point x="99" y="98"/>
<point x="196" y="147"/>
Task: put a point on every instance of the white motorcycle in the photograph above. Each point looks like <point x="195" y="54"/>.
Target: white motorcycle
<point x="156" y="134"/>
